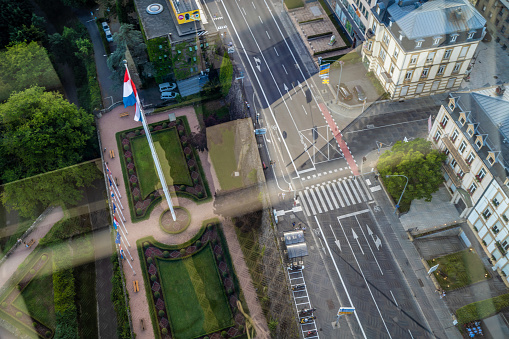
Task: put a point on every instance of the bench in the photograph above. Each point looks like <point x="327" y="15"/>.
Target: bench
<point x="142" y="324"/>
<point x="135" y="286"/>
<point x="125" y="114"/>
<point x="112" y="154"/>
<point x="30" y="243"/>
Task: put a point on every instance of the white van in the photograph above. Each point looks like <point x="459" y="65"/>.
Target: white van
<point x="166" y="87"/>
<point x="168" y="95"/>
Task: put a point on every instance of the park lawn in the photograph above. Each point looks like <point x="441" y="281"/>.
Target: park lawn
<point x="171" y="157"/>
<point x="86" y="299"/>
<point x="461" y="269"/>
<point x="292" y="4"/>
<point x="37" y="297"/>
<point x="194" y="295"/>
<point x="224" y="160"/>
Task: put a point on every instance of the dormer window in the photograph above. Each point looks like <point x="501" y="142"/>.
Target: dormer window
<point x="462" y="119"/>
<point x="478" y="142"/>
<point x="471" y="35"/>
<point x="454" y="37"/>
<point x="452" y="104"/>
<point x="400" y="37"/>
<point x="436" y="41"/>
<point x="378" y="10"/>
<point x="418" y="43"/>
<point x="470" y="130"/>
<point x="491" y="159"/>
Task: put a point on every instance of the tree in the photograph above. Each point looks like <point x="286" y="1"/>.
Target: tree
<point x="74" y="3"/>
<point x="41" y="132"/>
<point x="419" y="162"/>
<point x="23" y="65"/>
<point x="26" y="196"/>
<point x="14" y="14"/>
<point x="199" y="140"/>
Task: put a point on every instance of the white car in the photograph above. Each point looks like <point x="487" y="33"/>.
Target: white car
<point x="168" y="95"/>
<point x="109" y="37"/>
<point x="166" y="87"/>
<point x="105" y="26"/>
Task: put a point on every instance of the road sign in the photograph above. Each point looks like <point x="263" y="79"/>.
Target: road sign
<point x="260" y="131"/>
<point x="324" y="70"/>
<point x="325" y="81"/>
<point x="346" y="310"/>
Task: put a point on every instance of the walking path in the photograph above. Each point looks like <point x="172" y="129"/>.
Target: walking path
<point x="108" y="125"/>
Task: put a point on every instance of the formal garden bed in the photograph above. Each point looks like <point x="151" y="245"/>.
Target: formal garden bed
<point x="28" y="302"/>
<point x="179" y="161"/>
<point x="192" y="288"/>
<point x="459" y="269"/>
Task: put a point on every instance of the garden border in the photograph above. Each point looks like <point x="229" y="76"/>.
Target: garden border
<point x="182" y="230"/>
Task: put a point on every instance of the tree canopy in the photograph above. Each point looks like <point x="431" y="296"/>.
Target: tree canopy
<point x="41" y="132"/>
<point x="24" y="65"/>
<point x="419" y="162"/>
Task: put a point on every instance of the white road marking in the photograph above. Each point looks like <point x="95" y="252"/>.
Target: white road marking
<point x="364" y="234"/>
<point x="352" y="214"/>
<point x="321" y="199"/>
<point x="304" y="204"/>
<point x="253" y="5"/>
<point x="343" y="193"/>
<point x="338" y="195"/>
<point x="275" y="50"/>
<point x="350" y="183"/>
<point x="260" y="19"/>
<point x="332" y="196"/>
<point x="394" y="298"/>
<point x="304" y="110"/>
<point x="244" y="11"/>
<point x="361" y="191"/>
<point x="410" y="334"/>
<point x="315" y="200"/>
<point x="267" y="34"/>
<point x="309" y="201"/>
<point x="327" y="198"/>
<point x="349" y="193"/>
<point x="365" y="281"/>
<point x="341" y="279"/>
<point x="284" y="68"/>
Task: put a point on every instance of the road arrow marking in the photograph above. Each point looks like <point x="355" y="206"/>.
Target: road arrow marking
<point x="378" y="243"/>
<point x="258" y="62"/>
<point x="356" y="237"/>
<point x="284" y="69"/>
<point x="367" y="242"/>
<point x="370" y="232"/>
<point x="334" y="234"/>
<point x="286" y="89"/>
<point x="338" y="244"/>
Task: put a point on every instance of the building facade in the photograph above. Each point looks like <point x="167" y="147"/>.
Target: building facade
<point x="473" y="129"/>
<point x="418" y="49"/>
<point x="496" y="14"/>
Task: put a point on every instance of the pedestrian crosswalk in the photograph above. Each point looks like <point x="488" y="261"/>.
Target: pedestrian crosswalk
<point x="332" y="196"/>
<point x="202" y="33"/>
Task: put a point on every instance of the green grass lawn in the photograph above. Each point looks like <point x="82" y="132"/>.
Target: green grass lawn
<point x="168" y="148"/>
<point x="194" y="295"/>
<point x="460" y="269"/>
<point x="292" y="4"/>
<point x="86" y="299"/>
<point x="223" y="158"/>
<point x="37" y="297"/>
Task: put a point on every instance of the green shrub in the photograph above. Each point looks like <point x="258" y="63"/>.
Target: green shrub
<point x="126" y="147"/>
<point x="230" y="291"/>
<point x="151" y="128"/>
<point x="200" y="195"/>
<point x="226" y="74"/>
<point x="241" y="328"/>
<point x="4" y="304"/>
<point x="183" y="251"/>
<point x="224" y="274"/>
<point x="137" y="132"/>
<point x="136" y="198"/>
<point x="129" y="160"/>
<point x="139" y="211"/>
<point x="319" y="35"/>
<point x="157" y="294"/>
<point x="34" y="324"/>
<point x="153" y="277"/>
<point x="146" y="244"/>
<point x="164" y="330"/>
<point x="273" y="325"/>
<point x="48" y="334"/>
<point x="19" y="314"/>
<point x="482" y="309"/>
<point x="223" y="334"/>
<point x="149" y="260"/>
<point x="219" y="257"/>
<point x="32" y="271"/>
<point x="161" y="313"/>
<point x="44" y="257"/>
<point x="293" y="4"/>
<point x="165" y="124"/>
<point x="119" y="302"/>
<point x="134" y="185"/>
<point x="166" y="254"/>
<point x="182" y="187"/>
<point x="131" y="171"/>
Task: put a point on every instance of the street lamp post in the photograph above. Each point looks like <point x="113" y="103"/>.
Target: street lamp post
<point x="340" y="73"/>
<point x="404" y="188"/>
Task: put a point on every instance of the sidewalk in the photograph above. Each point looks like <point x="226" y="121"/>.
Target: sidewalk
<point x="437" y="314"/>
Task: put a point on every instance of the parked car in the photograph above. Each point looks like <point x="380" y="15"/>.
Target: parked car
<point x="105" y="26"/>
<point x="359" y="93"/>
<point x="168" y="95"/>
<point x="109" y="37"/>
<point x="166" y="87"/>
<point x="344" y="92"/>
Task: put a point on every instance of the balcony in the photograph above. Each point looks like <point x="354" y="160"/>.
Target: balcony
<point x="455" y="154"/>
<point x="452" y="175"/>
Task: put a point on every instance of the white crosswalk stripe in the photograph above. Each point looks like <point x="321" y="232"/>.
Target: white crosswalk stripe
<point x="333" y="196"/>
<point x="218" y="18"/>
<point x="222" y="27"/>
<point x="202" y="33"/>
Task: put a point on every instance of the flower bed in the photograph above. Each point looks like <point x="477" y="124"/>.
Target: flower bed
<point x="192" y="288"/>
<point x="189" y="178"/>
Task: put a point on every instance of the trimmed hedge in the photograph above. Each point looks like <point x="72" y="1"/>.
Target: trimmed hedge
<point x="340" y="30"/>
<point x="331" y="50"/>
<point x="310" y="21"/>
<point x="119" y="304"/>
<point x="64" y="294"/>
<point x="482" y="309"/>
<point x="319" y="35"/>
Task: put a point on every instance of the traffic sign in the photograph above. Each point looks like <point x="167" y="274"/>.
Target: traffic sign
<point x="260" y="131"/>
<point x="324" y="70"/>
<point x="346" y="310"/>
<point x="325" y="81"/>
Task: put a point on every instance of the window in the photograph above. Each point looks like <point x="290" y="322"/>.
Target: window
<point x="456" y="67"/>
<point x="431" y="56"/>
<point x="391" y="69"/>
<point x="502" y="30"/>
<point x="478" y="143"/>
<point x="472" y="188"/>
<point x="435" y="85"/>
<point x="497" y="22"/>
<point x="447" y="54"/>
<point x="419" y="88"/>
<point x="370" y="45"/>
<point x="470" y="158"/>
<point x="374" y="25"/>
<point x="386" y="39"/>
<point x="441" y="69"/>
<point x="418" y="43"/>
<point x="505" y="245"/>
<point x="383" y="54"/>
<point x="400" y="37"/>
<point x="481" y="174"/>
<point x="450" y="82"/>
<point x="436" y="41"/>
<point x="490" y="15"/>
<point x="487" y="213"/>
<point x="408" y="75"/>
<point x="454" y="135"/>
<point x="437" y="136"/>
<point x="495" y="228"/>
<point x="462" y="121"/>
<point x="446" y="151"/>
<point x="460" y="173"/>
<point x="451" y="105"/>
<point x="491" y="160"/>
<point x="454" y="37"/>
<point x="444" y="121"/>
<point x="413" y="59"/>
<point x="470" y="35"/>
<point x="396" y="52"/>
<point x="404" y="91"/>
<point x="462" y="147"/>
<point x="483" y="8"/>
<point x="425" y="72"/>
<point x="453" y="163"/>
<point x="464" y="51"/>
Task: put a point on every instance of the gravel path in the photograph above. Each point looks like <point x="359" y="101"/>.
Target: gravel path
<point x="111" y="123"/>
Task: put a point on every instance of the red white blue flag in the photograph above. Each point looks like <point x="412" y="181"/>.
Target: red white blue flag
<point x="130" y="96"/>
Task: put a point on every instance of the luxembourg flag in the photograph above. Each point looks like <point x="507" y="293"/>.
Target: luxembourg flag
<point x="131" y="95"/>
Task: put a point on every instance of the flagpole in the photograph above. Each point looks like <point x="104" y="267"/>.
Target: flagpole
<point x="153" y="151"/>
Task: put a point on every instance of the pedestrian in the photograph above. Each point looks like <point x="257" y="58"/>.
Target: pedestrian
<point x="104" y="150"/>
<point x="19" y="241"/>
<point x="300" y="225"/>
<point x="364" y="159"/>
<point x="293" y="224"/>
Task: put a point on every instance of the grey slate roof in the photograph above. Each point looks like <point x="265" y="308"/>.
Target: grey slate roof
<point x="436" y="18"/>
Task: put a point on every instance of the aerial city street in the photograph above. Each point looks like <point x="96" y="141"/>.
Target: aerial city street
<point x="254" y="169"/>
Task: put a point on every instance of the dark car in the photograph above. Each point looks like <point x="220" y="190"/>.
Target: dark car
<point x="344" y="93"/>
<point x="359" y="93"/>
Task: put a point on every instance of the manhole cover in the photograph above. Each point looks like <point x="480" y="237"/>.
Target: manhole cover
<point x="154" y="9"/>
